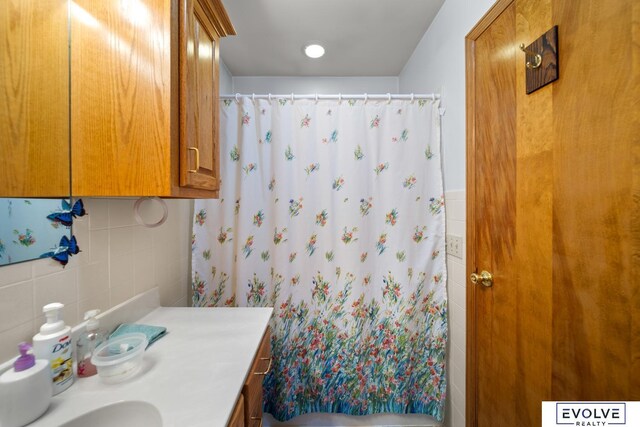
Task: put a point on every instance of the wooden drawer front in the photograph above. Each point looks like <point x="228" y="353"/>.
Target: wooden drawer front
<point x="252" y="389"/>
<point x="252" y="392"/>
<point x="263" y="357"/>
<point x="237" y="418"/>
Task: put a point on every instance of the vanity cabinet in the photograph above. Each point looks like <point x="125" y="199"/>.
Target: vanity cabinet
<point x="237" y="418"/>
<point x="251" y="397"/>
<point x="144" y="97"/>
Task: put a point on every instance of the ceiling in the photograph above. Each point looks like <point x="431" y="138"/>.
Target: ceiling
<point x="361" y="37"/>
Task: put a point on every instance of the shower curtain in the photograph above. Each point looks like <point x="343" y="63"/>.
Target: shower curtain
<point x="333" y="213"/>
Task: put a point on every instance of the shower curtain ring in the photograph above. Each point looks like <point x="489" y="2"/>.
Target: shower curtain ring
<point x="389" y="98"/>
<point x="253" y="97"/>
<point x="366" y="98"/>
<point x="292" y="97"/>
<point x="412" y="96"/>
<point x="237" y="96"/>
<point x="316" y="97"/>
<point x="340" y="98"/>
<point x="269" y="97"/>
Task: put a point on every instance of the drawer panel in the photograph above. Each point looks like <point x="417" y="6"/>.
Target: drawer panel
<point x="252" y="389"/>
<point x="237" y="418"/>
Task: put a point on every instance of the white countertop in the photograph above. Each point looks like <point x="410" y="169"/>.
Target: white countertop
<point x="193" y="375"/>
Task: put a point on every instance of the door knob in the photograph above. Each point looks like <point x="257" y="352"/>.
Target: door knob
<point x="484" y="278"/>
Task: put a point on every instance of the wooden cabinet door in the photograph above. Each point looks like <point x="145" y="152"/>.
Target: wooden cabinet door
<point x="34" y="98"/>
<point x="120" y="98"/>
<point x="252" y="389"/>
<point x="237" y="418"/>
<point x="199" y="121"/>
<point x="553" y="197"/>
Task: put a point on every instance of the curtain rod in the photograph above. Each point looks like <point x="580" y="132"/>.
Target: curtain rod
<point x="339" y="96"/>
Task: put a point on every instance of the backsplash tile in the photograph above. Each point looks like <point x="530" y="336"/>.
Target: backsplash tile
<point x="61" y="286"/>
<point x="456" y="286"/>
<point x="121" y="213"/>
<point x="15" y="273"/>
<point x="120" y="241"/>
<point x="16" y="305"/>
<point x="99" y="218"/>
<point x="119" y="260"/>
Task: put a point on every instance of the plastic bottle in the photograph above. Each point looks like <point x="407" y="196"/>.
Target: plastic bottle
<point x="53" y="343"/>
<point x="25" y="390"/>
<point x="87" y="343"/>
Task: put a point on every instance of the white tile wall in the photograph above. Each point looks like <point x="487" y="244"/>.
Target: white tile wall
<point x="456" y="286"/>
<point x="119" y="259"/>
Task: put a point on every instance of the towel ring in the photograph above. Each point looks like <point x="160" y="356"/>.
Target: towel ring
<point x="138" y="217"/>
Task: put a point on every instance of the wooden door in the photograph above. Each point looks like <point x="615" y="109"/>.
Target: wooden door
<point x="552" y="211"/>
<point x="199" y="120"/>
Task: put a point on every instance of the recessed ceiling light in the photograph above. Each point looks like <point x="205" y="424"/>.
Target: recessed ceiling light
<point x="314" y="51"/>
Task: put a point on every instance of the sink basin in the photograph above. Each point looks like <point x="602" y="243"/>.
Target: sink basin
<point x="128" y="413"/>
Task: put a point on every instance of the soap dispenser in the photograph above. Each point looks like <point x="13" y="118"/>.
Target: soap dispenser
<point x="53" y="343"/>
<point x="25" y="390"/>
<point x="87" y="343"/>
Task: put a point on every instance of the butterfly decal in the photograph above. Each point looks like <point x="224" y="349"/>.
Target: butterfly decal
<point x="66" y="248"/>
<point x="68" y="212"/>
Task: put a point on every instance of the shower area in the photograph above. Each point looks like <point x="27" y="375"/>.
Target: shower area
<point x="331" y="211"/>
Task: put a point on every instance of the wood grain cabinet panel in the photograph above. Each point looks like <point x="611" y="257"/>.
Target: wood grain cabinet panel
<point x="199" y="166"/>
<point x="237" y="418"/>
<point x="252" y="390"/>
<point x="144" y="94"/>
<point x="34" y="98"/>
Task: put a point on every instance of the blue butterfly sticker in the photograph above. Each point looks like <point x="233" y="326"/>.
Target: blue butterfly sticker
<point x="68" y="212"/>
<point x="66" y="248"/>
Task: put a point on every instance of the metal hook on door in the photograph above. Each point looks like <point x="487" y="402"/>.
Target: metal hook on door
<point x="537" y="58"/>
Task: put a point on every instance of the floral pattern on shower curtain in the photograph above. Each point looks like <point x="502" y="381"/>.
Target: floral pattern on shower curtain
<point x="333" y="213"/>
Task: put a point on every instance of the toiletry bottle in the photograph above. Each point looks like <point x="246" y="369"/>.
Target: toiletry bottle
<point x="53" y="343"/>
<point x="25" y="390"/>
<point x="87" y="343"/>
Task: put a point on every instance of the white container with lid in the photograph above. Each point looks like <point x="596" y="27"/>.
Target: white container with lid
<point x="120" y="358"/>
<point x="53" y="343"/>
<point x="25" y="390"/>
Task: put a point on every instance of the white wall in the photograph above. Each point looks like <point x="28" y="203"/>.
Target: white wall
<point x="226" y="82"/>
<point x="306" y="85"/>
<point x="438" y="64"/>
<point x="119" y="260"/>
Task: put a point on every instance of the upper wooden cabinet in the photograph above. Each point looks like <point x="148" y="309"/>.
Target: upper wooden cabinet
<point x="34" y="98"/>
<point x="144" y="97"/>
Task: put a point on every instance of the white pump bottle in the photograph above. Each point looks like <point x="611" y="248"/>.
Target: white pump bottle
<point x="53" y="344"/>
